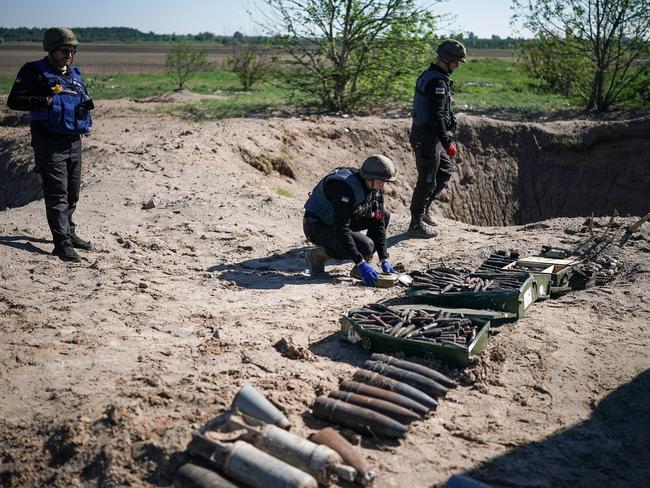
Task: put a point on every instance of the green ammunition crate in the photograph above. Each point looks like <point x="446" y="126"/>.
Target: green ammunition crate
<point x="455" y="355"/>
<point x="559" y="270"/>
<point x="512" y="301"/>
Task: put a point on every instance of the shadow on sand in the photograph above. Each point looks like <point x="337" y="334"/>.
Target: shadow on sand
<point x="24" y="243"/>
<point x="609" y="449"/>
<point x="273" y="272"/>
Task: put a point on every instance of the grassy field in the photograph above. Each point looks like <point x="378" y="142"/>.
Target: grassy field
<point x="491" y="81"/>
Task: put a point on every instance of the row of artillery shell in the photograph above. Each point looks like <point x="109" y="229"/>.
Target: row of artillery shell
<point x="379" y="405"/>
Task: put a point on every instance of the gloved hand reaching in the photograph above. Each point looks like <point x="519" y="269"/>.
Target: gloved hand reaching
<point x="451" y="150"/>
<point x="386" y="267"/>
<point x="369" y="275"/>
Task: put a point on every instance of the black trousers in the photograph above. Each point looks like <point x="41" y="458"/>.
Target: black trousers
<point x="58" y="162"/>
<point x="434" y="166"/>
<point x="325" y="236"/>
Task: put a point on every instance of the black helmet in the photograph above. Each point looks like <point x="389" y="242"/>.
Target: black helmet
<point x="452" y="50"/>
<point x="55" y="37"/>
<point x="378" y="167"/>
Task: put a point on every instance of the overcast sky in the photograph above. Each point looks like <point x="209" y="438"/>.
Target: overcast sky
<point x="223" y="17"/>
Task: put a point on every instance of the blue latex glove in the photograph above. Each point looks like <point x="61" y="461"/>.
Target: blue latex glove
<point x="386" y="267"/>
<point x="369" y="274"/>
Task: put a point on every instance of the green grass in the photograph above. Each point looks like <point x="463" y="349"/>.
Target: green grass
<point x="283" y="192"/>
<point x="510" y="88"/>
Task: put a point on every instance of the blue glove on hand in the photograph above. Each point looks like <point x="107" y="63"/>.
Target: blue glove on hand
<point x="386" y="267"/>
<point x="369" y="274"/>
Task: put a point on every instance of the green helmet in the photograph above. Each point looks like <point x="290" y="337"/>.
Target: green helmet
<point x="378" y="167"/>
<point x="452" y="50"/>
<point x="55" y="37"/>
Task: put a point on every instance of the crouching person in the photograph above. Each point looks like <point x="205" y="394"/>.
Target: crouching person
<point x="342" y="204"/>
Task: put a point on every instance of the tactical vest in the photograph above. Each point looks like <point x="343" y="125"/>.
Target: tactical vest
<point x="70" y="110"/>
<point x="318" y="203"/>
<point x="421" y="104"/>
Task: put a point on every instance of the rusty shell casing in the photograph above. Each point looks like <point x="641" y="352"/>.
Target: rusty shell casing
<point x="194" y="476"/>
<point x="255" y="468"/>
<point x="381" y="381"/>
<point x="416" y="380"/>
<point x="351" y="456"/>
<point x="358" y="418"/>
<point x="416" y="368"/>
<point x="386" y="408"/>
<point x="386" y="395"/>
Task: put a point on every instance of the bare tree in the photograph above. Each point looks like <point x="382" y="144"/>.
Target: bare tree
<point x="351" y="52"/>
<point x="607" y="41"/>
<point x="184" y="60"/>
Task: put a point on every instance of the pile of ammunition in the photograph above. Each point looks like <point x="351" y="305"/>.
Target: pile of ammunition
<point x="444" y="280"/>
<point x="251" y="446"/>
<point x="384" y="396"/>
<point x="601" y="268"/>
<point x="498" y="260"/>
<point x="418" y="324"/>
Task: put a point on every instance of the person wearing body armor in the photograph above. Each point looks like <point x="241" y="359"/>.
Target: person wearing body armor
<point x="59" y="110"/>
<point x="342" y="204"/>
<point x="433" y="120"/>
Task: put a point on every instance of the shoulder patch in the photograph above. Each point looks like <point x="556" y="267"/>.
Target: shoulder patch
<point x="440" y="90"/>
<point x="345" y="199"/>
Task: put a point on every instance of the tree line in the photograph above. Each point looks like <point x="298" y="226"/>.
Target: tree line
<point x="128" y="34"/>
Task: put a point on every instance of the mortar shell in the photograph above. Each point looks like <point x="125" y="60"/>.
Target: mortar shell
<point x="416" y="380"/>
<point x="386" y="408"/>
<point x="358" y="418"/>
<point x="376" y="379"/>
<point x="386" y="395"/>
<point x="416" y="368"/>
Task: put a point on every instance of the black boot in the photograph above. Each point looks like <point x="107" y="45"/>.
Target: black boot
<point x="79" y="243"/>
<point x="66" y="253"/>
<point x="420" y="230"/>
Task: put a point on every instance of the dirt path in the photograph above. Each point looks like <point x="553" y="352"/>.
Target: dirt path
<point x="107" y="365"/>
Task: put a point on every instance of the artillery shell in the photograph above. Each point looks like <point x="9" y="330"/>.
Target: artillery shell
<point x="358" y="418"/>
<point x="382" y="394"/>
<point x="416" y="368"/>
<point x="375" y="379"/>
<point x="194" y="476"/>
<point x="351" y="456"/>
<point x="386" y="408"/>
<point x="416" y="380"/>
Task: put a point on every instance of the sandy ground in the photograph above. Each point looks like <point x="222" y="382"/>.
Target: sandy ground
<point x="107" y="365"/>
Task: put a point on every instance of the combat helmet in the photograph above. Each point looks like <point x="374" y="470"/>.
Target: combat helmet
<point x="378" y="167"/>
<point x="55" y="37"/>
<point x="452" y="50"/>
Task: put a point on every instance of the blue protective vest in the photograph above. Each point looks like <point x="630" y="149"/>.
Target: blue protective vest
<point x="421" y="104"/>
<point x="68" y="113"/>
<point x="318" y="203"/>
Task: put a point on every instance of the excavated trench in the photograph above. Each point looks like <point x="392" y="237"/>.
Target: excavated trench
<point x="508" y="173"/>
<point x="515" y="173"/>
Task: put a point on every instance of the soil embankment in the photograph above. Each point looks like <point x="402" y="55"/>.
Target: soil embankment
<point x="107" y="365"/>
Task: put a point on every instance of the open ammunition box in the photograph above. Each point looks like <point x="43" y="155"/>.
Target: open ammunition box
<point x="515" y="301"/>
<point x="559" y="271"/>
<point x="457" y="355"/>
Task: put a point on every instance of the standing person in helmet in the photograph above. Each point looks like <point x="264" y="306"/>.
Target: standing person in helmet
<point x="59" y="111"/>
<point x="433" y="119"/>
<point x="343" y="203"/>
